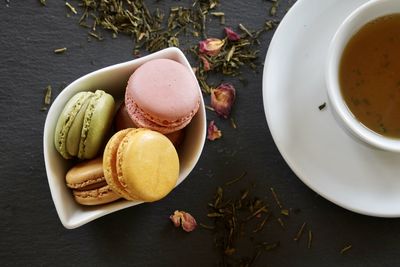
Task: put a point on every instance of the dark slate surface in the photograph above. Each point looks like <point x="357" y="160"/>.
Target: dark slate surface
<point x="30" y="231"/>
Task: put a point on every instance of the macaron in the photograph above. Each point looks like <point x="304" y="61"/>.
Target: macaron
<point x="88" y="184"/>
<point x="122" y="120"/>
<point x="83" y="124"/>
<point x="162" y="95"/>
<point x="141" y="164"/>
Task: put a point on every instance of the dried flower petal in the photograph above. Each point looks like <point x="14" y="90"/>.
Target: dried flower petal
<point x="211" y="46"/>
<point x="188" y="222"/>
<point x="176" y="219"/>
<point x="222" y="99"/>
<point x="206" y="63"/>
<point x="233" y="36"/>
<point x="183" y="219"/>
<point x="213" y="131"/>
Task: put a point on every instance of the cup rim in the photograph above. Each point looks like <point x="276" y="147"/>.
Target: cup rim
<point x="365" y="13"/>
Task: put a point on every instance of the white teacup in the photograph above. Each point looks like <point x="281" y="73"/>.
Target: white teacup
<point x="350" y="26"/>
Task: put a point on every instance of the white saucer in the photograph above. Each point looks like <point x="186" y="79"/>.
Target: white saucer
<point x="317" y="149"/>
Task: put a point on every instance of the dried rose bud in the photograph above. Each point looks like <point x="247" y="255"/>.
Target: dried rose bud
<point x="206" y="63"/>
<point x="183" y="219"/>
<point x="213" y="132"/>
<point x="176" y="219"/>
<point x="233" y="36"/>
<point x="211" y="46"/>
<point x="222" y="99"/>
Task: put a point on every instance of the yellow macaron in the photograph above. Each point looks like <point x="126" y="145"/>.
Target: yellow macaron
<point x="141" y="164"/>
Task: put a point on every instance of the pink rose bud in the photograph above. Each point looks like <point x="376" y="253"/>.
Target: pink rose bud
<point x="233" y="36"/>
<point x="176" y="220"/>
<point x="222" y="99"/>
<point x="188" y="222"/>
<point x="213" y="132"/>
<point x="183" y="219"/>
<point x="206" y="63"/>
<point x="211" y="46"/>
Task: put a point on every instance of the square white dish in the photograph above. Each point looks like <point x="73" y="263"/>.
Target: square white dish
<point x="112" y="79"/>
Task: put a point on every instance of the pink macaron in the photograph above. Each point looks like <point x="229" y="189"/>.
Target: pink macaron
<point x="162" y="95"/>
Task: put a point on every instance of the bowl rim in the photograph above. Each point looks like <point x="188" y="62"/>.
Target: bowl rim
<point x="357" y="19"/>
<point x="63" y="96"/>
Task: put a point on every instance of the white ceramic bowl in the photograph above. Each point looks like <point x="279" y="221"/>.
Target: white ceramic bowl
<point x="352" y="24"/>
<point x="112" y="79"/>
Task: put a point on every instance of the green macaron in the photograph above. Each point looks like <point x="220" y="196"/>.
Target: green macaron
<point x="74" y="132"/>
<point x="83" y="124"/>
<point x="96" y="124"/>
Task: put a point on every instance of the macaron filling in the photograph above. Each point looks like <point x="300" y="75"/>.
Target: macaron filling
<point x="88" y="183"/>
<point x="178" y="123"/>
<point x="65" y="121"/>
<point x="74" y="133"/>
<point x="138" y="117"/>
<point x="86" y="123"/>
<point x="95" y="196"/>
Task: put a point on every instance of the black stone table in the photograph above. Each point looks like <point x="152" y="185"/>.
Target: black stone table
<point x="30" y="231"/>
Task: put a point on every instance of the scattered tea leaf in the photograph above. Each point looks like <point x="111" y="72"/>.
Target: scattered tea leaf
<point x="310" y="237"/>
<point x="257" y="212"/>
<point x="73" y="10"/>
<point x="95" y="35"/>
<point x="274" y="8"/>
<point x="322" y="106"/>
<point x="214" y="215"/>
<point x="345" y="249"/>
<point x="221" y="16"/>
<point x="269" y="246"/>
<point x="47" y="98"/>
<point x="276" y="198"/>
<point x="300" y="232"/>
<point x="47" y="95"/>
<point x="209" y="108"/>
<point x="60" y="50"/>
<point x="281" y="223"/>
<point x="208" y="227"/>
<point x="236" y="179"/>
<point x="285" y="212"/>
<point x="260" y="227"/>
<point x="233" y="123"/>
<point x="243" y="28"/>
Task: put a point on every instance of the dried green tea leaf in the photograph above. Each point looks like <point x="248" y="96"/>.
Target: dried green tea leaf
<point x="345" y="249"/>
<point x="276" y="198"/>
<point x="236" y="179"/>
<point x="47" y="95"/>
<point x="73" y="10"/>
<point x="300" y="232"/>
<point x="310" y="237"/>
<point x="60" y="50"/>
